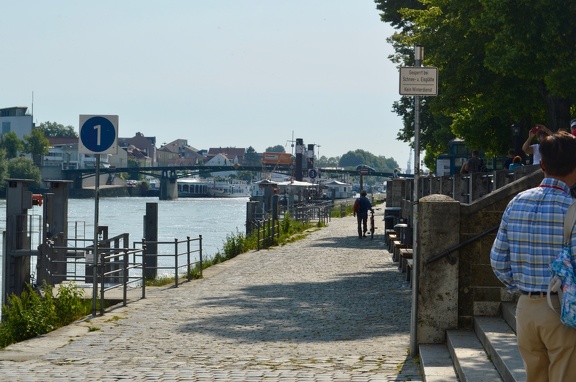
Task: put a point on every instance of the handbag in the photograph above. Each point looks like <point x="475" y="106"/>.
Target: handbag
<point x="563" y="279"/>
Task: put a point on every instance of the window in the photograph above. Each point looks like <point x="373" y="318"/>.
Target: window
<point x="5" y="127"/>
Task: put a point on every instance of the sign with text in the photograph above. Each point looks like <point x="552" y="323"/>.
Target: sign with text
<point x="419" y="81"/>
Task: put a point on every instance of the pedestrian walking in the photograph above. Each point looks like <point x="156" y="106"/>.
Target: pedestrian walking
<point x="361" y="207"/>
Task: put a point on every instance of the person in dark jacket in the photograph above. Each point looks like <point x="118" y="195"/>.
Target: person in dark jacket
<point x="361" y="208"/>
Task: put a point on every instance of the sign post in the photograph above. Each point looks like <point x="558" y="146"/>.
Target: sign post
<point x="98" y="135"/>
<point x="417" y="81"/>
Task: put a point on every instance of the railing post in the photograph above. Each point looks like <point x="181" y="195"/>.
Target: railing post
<point x="201" y="264"/>
<point x="125" y="276"/>
<point x="188" y="258"/>
<point x="143" y="269"/>
<point x="176" y="263"/>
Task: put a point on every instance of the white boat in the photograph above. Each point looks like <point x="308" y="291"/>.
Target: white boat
<point x="193" y="188"/>
<point x="224" y="188"/>
<point x="212" y="188"/>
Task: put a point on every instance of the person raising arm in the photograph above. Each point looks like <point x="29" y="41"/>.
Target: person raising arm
<point x="540" y="131"/>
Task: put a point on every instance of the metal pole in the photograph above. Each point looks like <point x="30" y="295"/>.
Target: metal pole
<point x="95" y="256"/>
<point x="418" y="56"/>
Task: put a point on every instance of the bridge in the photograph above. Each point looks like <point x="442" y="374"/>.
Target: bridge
<point x="168" y="175"/>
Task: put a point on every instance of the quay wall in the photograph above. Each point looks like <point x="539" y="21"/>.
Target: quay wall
<point x="460" y="285"/>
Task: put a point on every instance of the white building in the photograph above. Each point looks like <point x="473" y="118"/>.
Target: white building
<point x="15" y="119"/>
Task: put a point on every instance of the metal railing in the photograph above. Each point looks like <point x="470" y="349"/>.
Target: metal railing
<point x="178" y="256"/>
<point x="119" y="266"/>
<point x="267" y="230"/>
<point x="310" y="212"/>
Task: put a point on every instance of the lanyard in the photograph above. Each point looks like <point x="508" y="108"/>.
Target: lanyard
<point x="552" y="186"/>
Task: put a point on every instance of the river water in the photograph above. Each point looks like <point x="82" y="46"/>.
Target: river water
<point x="213" y="218"/>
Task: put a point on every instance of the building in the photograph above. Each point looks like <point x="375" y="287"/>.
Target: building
<point x="146" y="145"/>
<point x="15" y="119"/>
<point x="179" y="153"/>
<point x="236" y="155"/>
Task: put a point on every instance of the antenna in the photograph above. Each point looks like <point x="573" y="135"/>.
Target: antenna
<point x="32" y="106"/>
<point x="292" y="143"/>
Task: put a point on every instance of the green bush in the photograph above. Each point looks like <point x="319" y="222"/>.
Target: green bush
<point x="39" y="312"/>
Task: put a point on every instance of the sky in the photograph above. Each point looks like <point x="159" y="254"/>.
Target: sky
<point x="218" y="73"/>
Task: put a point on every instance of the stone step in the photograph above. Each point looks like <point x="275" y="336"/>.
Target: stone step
<point x="471" y="361"/>
<point x="499" y="342"/>
<point x="436" y="363"/>
<point x="508" y="310"/>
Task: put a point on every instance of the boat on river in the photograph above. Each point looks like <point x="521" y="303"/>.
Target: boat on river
<point x="192" y="188"/>
<point x="229" y="189"/>
<point x="212" y="188"/>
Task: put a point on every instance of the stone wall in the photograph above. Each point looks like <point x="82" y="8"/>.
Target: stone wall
<point x="454" y="288"/>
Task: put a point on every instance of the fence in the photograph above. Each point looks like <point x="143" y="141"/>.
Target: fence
<point x="266" y="231"/>
<point x="310" y="212"/>
<point x="119" y="267"/>
<point x="464" y="188"/>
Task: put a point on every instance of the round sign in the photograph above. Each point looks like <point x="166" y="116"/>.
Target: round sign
<point x="312" y="174"/>
<point x="98" y="134"/>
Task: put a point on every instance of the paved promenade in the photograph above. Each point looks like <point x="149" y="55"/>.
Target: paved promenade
<point x="331" y="307"/>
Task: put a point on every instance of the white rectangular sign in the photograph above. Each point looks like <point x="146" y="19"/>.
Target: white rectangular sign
<point x="419" y="81"/>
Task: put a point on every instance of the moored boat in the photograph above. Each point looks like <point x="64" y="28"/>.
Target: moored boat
<point x="212" y="188"/>
<point x="229" y="189"/>
<point x="193" y="188"/>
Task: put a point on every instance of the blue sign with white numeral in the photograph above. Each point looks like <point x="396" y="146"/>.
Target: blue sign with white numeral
<point x="98" y="134"/>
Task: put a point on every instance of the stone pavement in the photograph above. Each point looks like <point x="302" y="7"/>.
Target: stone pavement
<point x="330" y="307"/>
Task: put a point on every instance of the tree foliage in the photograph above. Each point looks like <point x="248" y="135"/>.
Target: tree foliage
<point x="500" y="62"/>
<point x="36" y="144"/>
<point x="3" y="168"/>
<point x="251" y="157"/>
<point x="24" y="168"/>
<point x="53" y="129"/>
<point x="276" y="149"/>
<point x="380" y="163"/>
<point x="12" y="145"/>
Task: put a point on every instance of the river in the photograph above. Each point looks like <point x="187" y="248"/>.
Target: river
<point x="213" y="218"/>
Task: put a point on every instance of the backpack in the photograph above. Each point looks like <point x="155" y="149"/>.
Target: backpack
<point x="356" y="205"/>
<point x="563" y="279"/>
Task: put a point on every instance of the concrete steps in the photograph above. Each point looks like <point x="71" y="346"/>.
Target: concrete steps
<point x="487" y="353"/>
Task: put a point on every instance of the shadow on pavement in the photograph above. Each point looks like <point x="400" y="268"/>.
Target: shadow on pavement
<point x="353" y="307"/>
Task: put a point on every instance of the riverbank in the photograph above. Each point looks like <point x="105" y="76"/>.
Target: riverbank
<point x="328" y="307"/>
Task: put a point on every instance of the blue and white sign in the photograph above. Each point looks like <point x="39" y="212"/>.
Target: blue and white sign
<point x="98" y="134"/>
<point x="312" y="173"/>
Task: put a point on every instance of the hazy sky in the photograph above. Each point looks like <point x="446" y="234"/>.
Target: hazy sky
<point x="224" y="73"/>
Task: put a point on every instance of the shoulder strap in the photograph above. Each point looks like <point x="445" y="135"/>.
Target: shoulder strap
<point x="569" y="222"/>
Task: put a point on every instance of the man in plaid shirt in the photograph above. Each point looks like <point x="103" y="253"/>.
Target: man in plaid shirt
<point x="529" y="239"/>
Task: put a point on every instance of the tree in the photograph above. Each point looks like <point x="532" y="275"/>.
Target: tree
<point x="276" y="149"/>
<point x="12" y="145"/>
<point x="53" y="129"/>
<point x="24" y="168"/>
<point x="354" y="158"/>
<point x="36" y="144"/>
<point x="251" y="157"/>
<point x="499" y="63"/>
<point x="3" y="168"/>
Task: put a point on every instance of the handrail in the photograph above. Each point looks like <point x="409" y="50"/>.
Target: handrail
<point x="460" y="245"/>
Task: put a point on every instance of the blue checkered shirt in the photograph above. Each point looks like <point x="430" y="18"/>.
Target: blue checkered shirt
<point x="531" y="236"/>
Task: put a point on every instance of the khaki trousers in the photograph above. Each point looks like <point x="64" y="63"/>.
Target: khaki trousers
<point x="547" y="346"/>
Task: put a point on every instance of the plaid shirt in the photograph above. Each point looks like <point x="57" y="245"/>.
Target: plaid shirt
<point x="531" y="236"/>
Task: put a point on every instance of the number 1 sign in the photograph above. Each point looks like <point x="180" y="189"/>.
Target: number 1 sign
<point x="98" y="134"/>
